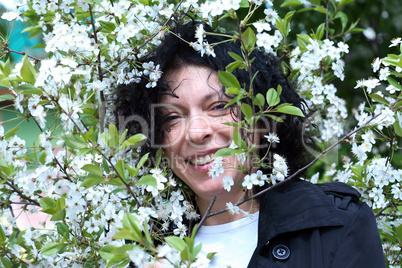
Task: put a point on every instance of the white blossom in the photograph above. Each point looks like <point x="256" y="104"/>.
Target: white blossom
<point x="232" y="208"/>
<point x="227" y="182"/>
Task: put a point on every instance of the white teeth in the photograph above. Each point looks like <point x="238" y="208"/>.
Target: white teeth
<point x="202" y="160"/>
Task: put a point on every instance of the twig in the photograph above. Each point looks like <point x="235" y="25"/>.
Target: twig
<point x="382" y="210"/>
<point x="118" y="174"/>
<point x="397" y="257"/>
<point x="23" y="196"/>
<point x="153" y="36"/>
<point x="54" y="157"/>
<point x="102" y="112"/>
<point x="21" y="53"/>
<point x="17" y="203"/>
<point x="206" y="215"/>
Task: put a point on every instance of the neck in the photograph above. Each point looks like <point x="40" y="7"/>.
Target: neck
<point x="251" y="206"/>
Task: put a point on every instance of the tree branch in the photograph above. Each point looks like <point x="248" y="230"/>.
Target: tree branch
<point x="206" y="215"/>
<point x="294" y="175"/>
<point x="102" y="111"/>
<point x="9" y="50"/>
<point x="23" y="196"/>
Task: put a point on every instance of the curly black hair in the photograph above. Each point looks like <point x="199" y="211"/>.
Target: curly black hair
<point x="134" y="102"/>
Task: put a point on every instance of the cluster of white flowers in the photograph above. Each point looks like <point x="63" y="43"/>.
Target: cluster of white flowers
<point x="280" y="169"/>
<point x="265" y="39"/>
<point x="257" y="178"/>
<point x="216" y="168"/>
<point x="200" y="45"/>
<point x="319" y="95"/>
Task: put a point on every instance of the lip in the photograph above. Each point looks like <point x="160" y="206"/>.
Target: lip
<point x="203" y="153"/>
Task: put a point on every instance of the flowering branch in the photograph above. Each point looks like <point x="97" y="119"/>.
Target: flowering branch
<point x="9" y="50"/>
<point x="20" y="193"/>
<point x="294" y="175"/>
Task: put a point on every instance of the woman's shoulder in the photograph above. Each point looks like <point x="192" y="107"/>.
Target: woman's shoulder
<point x="314" y="205"/>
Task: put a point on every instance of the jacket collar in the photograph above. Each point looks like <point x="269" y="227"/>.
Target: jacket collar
<point x="295" y="206"/>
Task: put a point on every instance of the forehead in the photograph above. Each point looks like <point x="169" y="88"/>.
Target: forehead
<point x="192" y="83"/>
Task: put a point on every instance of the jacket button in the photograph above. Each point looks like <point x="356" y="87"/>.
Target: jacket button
<point x="281" y="252"/>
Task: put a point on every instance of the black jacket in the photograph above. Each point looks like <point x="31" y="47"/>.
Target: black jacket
<point x="316" y="226"/>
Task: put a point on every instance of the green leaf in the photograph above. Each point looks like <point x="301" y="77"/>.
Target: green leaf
<point x="259" y="100"/>
<point x="398" y="128"/>
<point x="60" y="203"/>
<point x="105" y="165"/>
<point x="238" y="139"/>
<point x="147" y="180"/>
<point x="62" y="228"/>
<point x="232" y="90"/>
<point x="394" y="83"/>
<point x="290" y="110"/>
<point x="28" y="89"/>
<point x="225" y="152"/>
<point x="11" y="132"/>
<point x="92" y="169"/>
<point x="246" y="110"/>
<point x="320" y="31"/>
<point x="59" y="215"/>
<point x="6" y="97"/>
<point x="249" y="39"/>
<point x="106" y="26"/>
<point x="274" y="117"/>
<point x="210" y="255"/>
<point x="142" y="161"/>
<point x="47" y="203"/>
<point x="235" y="65"/>
<point x="120" y="167"/>
<point x="343" y="17"/>
<point x="378" y="98"/>
<point x="28" y="72"/>
<point x="92" y="180"/>
<point x="228" y="80"/>
<point x="132" y="224"/>
<point x="113" y="136"/>
<point x="3" y="237"/>
<point x="107" y="252"/>
<point x="126" y="234"/>
<point x="74" y="141"/>
<point x="272" y="97"/>
<point x="321" y="9"/>
<point x="176" y="243"/>
<point x="344" y="2"/>
<point x="283" y="25"/>
<point x="235" y="56"/>
<point x="244" y="4"/>
<point x="6" y="262"/>
<point x="291" y="3"/>
<point x="133" y="140"/>
<point x="197" y="249"/>
<point x="40" y="45"/>
<point x="51" y="248"/>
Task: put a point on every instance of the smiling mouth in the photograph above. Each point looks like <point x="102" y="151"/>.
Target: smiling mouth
<point x="202" y="160"/>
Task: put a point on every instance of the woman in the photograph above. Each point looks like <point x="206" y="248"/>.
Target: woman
<point x="295" y="225"/>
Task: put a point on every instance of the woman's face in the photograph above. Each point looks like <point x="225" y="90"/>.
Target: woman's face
<point x="195" y="130"/>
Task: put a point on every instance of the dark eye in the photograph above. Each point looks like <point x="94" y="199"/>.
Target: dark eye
<point x="220" y="106"/>
<point x="169" y="118"/>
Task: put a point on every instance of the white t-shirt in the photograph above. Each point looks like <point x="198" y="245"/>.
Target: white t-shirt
<point x="233" y="242"/>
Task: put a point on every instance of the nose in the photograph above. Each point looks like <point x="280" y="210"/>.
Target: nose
<point x="199" y="129"/>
